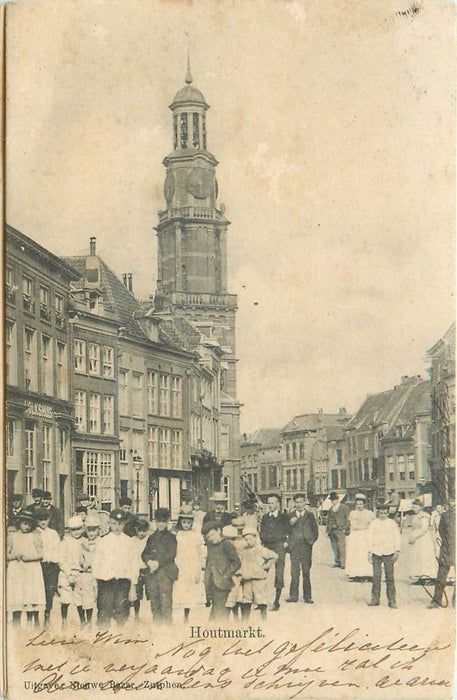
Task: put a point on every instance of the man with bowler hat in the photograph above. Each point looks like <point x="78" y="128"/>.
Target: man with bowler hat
<point x="303" y="534"/>
<point x="55" y="517"/>
<point x="159" y="556"/>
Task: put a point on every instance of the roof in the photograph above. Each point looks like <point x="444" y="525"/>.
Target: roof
<point x="116" y="297"/>
<point x="417" y="402"/>
<point x="189" y="94"/>
<point x="392" y="407"/>
<point x="448" y="339"/>
<point x="265" y="437"/>
<point x="314" y="421"/>
<point x="65" y="268"/>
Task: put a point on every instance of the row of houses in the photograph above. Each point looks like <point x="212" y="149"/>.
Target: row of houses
<point x="401" y="440"/>
<point x="106" y="394"/>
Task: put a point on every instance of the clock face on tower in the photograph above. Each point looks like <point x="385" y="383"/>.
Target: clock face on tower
<point x="200" y="183"/>
<point x="169" y="187"/>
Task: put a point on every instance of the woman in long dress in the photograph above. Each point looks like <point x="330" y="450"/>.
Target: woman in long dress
<point x="357" y="564"/>
<point x="422" y="559"/>
<point x="25" y="585"/>
<point x="188" y="591"/>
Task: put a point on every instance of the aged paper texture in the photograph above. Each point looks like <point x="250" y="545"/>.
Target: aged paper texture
<point x="333" y="125"/>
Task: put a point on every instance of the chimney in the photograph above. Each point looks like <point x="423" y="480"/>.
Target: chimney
<point x="124" y="279"/>
<point x="130" y="282"/>
<point x="92" y="245"/>
<point x="342" y="411"/>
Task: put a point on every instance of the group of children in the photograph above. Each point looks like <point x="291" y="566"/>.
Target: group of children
<point x="222" y="566"/>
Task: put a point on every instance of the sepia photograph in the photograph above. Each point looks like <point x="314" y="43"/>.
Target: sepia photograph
<point x="229" y="349"/>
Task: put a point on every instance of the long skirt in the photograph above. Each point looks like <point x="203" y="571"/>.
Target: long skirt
<point x="422" y="558"/>
<point x="357" y="564"/>
<point x="25" y="586"/>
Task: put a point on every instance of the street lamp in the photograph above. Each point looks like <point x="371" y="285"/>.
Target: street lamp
<point x="138" y="465"/>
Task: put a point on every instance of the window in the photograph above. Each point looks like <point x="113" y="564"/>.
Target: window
<point x="342" y="478"/>
<point x="138" y="445"/>
<point x="366" y="443"/>
<point x="27" y="294"/>
<point x="10" y="433"/>
<point x="411" y="467"/>
<point x="153" y="447"/>
<point x="334" y="479"/>
<point x="46" y="366"/>
<point x="10" y="290"/>
<point x="80" y="355"/>
<point x="294" y="479"/>
<point x="58" y="303"/>
<point x="123" y="386"/>
<point x="302" y="450"/>
<point x="176" y="397"/>
<point x="11" y="352"/>
<point x="108" y="415"/>
<point x="195" y="130"/>
<point x="164" y="395"/>
<point x="99" y="474"/>
<point x="263" y="476"/>
<point x="29" y="456"/>
<point x="338" y="456"/>
<point x="366" y="473"/>
<point x="137" y="386"/>
<point x="401" y="467"/>
<point x="183" y="125"/>
<point x="287" y="451"/>
<point x="391" y="476"/>
<point x="273" y="476"/>
<point x="108" y="362"/>
<point x="63" y="443"/>
<point x="175" y="131"/>
<point x="152" y="392"/>
<point x="164" y="447"/>
<point x="288" y="480"/>
<point x="94" y="413"/>
<point x="30" y="370"/>
<point x="62" y="371"/>
<point x="176" y="451"/>
<point x="47" y="436"/>
<point x="124" y="445"/>
<point x="45" y="311"/>
<point x="204" y="131"/>
<point x="302" y="478"/>
<point x="94" y="358"/>
<point x="80" y="411"/>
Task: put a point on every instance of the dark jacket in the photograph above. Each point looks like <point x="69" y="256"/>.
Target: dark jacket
<point x="222" y="562"/>
<point x="55" y="520"/>
<point x="224" y="518"/>
<point x="447" y="535"/>
<point x="274" y="529"/>
<point x="161" y="547"/>
<point x="338" y="519"/>
<point x="304" y="528"/>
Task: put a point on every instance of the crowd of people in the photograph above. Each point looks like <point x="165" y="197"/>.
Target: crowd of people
<point x="216" y="559"/>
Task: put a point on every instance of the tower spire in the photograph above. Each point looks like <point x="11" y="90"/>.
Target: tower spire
<point x="188" y="74"/>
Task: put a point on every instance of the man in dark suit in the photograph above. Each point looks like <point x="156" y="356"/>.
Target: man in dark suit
<point x="274" y="532"/>
<point x="446" y="557"/>
<point x="55" y="516"/>
<point x="159" y="556"/>
<point x="125" y="504"/>
<point x="338" y="527"/>
<point x="303" y="534"/>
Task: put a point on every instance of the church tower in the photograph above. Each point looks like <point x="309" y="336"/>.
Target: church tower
<point x="192" y="248"/>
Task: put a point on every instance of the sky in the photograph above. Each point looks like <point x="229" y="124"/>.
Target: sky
<point x="334" y="126"/>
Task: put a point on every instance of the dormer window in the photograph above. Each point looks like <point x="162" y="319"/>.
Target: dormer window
<point x="93" y="301"/>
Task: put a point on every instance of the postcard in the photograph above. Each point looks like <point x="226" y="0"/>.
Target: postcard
<point x="229" y="349"/>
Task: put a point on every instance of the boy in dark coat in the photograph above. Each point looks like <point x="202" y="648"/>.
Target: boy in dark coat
<point x="159" y="556"/>
<point x="222" y="562"/>
<point x="303" y="534"/>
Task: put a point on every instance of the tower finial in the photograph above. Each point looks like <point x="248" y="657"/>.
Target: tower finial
<point x="188" y="74"/>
